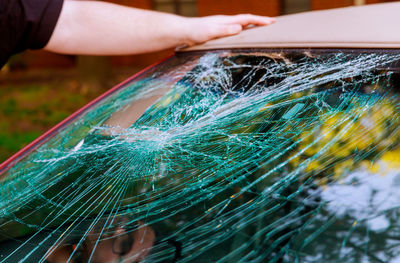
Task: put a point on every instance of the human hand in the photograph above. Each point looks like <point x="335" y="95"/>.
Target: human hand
<point x="111" y="29"/>
<point x="202" y="29"/>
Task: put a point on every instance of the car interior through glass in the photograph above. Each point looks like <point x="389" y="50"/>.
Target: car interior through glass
<point x="256" y="155"/>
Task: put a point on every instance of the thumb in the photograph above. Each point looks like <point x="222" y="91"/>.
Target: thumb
<point x="233" y="29"/>
<point x="215" y="31"/>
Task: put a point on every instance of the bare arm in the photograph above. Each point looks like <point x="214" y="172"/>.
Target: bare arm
<point x="99" y="28"/>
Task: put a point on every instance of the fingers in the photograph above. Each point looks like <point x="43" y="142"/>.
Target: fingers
<point x="224" y="30"/>
<point x="212" y="27"/>
<point x="232" y="29"/>
<point x="232" y="25"/>
<point x="247" y="19"/>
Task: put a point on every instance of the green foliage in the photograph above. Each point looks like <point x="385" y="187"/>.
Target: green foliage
<point x="29" y="109"/>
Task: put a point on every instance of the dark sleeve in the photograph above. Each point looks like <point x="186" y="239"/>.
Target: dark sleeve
<point x="26" y="24"/>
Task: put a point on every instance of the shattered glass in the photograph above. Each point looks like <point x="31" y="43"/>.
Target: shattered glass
<point x="241" y="156"/>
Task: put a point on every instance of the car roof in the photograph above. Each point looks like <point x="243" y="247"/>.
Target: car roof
<point x="369" y="26"/>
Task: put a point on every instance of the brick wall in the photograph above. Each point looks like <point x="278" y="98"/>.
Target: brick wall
<point x="145" y="4"/>
<point x="43" y="59"/>
<point x="204" y="7"/>
<point x="327" y="4"/>
<point x="231" y="7"/>
<point x="380" y="1"/>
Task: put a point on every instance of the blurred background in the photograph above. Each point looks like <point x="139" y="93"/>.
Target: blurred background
<point x="39" y="89"/>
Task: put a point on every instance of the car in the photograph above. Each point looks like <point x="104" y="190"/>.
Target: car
<point x="280" y="144"/>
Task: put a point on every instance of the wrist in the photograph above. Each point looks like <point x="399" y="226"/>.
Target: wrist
<point x="184" y="31"/>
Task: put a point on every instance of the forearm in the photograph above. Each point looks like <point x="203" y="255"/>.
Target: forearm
<point x="99" y="28"/>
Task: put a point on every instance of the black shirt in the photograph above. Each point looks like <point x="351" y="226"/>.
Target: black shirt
<point x="26" y="24"/>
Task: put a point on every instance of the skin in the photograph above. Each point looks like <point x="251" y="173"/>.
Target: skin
<point x="100" y="28"/>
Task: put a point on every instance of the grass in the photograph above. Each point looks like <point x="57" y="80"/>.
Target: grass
<point x="30" y="107"/>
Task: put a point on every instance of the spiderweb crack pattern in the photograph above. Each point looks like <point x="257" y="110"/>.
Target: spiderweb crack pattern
<point x="253" y="157"/>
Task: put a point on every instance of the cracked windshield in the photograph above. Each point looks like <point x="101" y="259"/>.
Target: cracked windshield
<point x="253" y="156"/>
